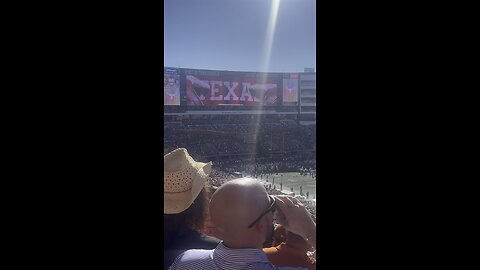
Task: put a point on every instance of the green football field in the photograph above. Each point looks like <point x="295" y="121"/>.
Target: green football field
<point x="293" y="180"/>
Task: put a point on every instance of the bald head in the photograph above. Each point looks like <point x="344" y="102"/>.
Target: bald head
<point x="236" y="204"/>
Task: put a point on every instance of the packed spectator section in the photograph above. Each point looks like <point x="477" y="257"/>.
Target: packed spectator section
<point x="211" y="137"/>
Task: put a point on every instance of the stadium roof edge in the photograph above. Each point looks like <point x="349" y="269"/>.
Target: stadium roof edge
<point x="279" y="72"/>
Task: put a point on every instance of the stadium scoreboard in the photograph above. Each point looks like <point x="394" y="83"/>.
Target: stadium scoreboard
<point x="214" y="90"/>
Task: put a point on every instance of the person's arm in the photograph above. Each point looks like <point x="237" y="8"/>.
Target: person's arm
<point x="294" y="217"/>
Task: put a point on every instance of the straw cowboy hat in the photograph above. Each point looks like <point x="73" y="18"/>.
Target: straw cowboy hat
<point x="183" y="179"/>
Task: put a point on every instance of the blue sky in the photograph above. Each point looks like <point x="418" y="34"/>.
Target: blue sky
<point x="234" y="35"/>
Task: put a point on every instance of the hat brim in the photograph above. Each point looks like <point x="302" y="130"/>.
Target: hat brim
<point x="178" y="202"/>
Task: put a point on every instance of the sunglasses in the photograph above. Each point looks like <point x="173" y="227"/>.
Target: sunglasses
<point x="271" y="208"/>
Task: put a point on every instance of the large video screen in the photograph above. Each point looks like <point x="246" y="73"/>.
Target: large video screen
<point x="239" y="90"/>
<point x="171" y="87"/>
<point x="290" y="89"/>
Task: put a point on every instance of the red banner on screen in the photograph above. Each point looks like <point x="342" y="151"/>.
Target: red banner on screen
<point x="214" y="90"/>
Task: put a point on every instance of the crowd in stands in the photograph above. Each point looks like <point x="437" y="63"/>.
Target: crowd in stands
<point x="238" y="136"/>
<point x="218" y="178"/>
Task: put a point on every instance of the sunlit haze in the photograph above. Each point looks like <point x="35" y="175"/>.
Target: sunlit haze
<point x="240" y="35"/>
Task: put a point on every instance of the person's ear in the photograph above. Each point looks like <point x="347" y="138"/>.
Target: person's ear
<point x="260" y="226"/>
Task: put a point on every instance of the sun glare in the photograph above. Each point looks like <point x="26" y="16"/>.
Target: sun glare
<point x="267" y="51"/>
<point x="267" y="48"/>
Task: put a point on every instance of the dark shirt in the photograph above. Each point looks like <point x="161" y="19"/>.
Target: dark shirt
<point x="190" y="240"/>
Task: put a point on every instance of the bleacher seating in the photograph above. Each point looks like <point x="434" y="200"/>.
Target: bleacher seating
<point x="239" y="135"/>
